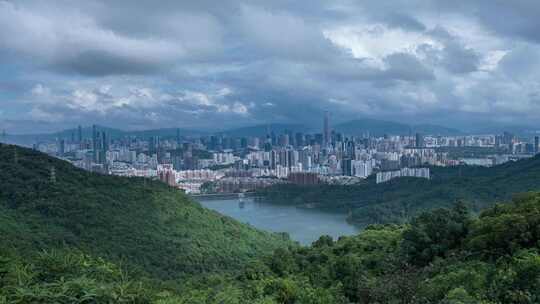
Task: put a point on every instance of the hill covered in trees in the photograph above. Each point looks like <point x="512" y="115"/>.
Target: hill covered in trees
<point x="400" y="199"/>
<point x="46" y="203"/>
<point x="77" y="237"/>
<point x="444" y="256"/>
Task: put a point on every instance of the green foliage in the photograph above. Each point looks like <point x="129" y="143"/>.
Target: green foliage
<point x="67" y="277"/>
<point x="436" y="258"/>
<point x="144" y="224"/>
<point x="87" y="238"/>
<point x="505" y="229"/>
<point x="434" y="234"/>
<point x="399" y="200"/>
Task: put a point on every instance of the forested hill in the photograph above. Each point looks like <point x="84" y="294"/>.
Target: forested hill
<point x="76" y="237"/>
<point x="403" y="198"/>
<point x="443" y="256"/>
<point x="47" y="203"/>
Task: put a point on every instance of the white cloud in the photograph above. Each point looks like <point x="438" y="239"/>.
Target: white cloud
<point x="40" y="90"/>
<point x="239" y="108"/>
<point x="70" y="39"/>
<point x="42" y="115"/>
<point x="376" y="41"/>
<point x="491" y="59"/>
<point x="253" y="61"/>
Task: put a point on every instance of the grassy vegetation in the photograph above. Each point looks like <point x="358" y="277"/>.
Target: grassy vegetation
<point x="144" y="224"/>
<point x="87" y="238"/>
<point x="401" y="199"/>
<point x="444" y="256"/>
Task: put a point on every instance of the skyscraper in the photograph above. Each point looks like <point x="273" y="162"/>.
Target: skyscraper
<point x="104" y="142"/>
<point x="79" y="134"/>
<point x="419" y="140"/>
<point x="95" y="143"/>
<point x="536" y="143"/>
<point x="3" y="136"/>
<point x="326" y="128"/>
<point x="61" y="147"/>
<point x="347" y="167"/>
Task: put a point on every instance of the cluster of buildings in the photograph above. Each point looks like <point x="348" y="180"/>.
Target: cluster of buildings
<point x="385" y="176"/>
<point x="223" y="163"/>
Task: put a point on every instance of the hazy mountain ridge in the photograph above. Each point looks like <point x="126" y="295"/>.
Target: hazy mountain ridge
<point x="264" y="129"/>
<point x="376" y="127"/>
<point x="355" y="127"/>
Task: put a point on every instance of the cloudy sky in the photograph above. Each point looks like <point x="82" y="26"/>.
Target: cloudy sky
<point x="219" y="64"/>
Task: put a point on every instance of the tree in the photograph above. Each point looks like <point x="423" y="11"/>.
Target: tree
<point x="434" y="234"/>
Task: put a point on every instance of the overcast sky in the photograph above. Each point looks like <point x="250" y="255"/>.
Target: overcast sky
<point x="218" y="64"/>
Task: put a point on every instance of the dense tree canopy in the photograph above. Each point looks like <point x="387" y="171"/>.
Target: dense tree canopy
<point x="76" y="240"/>
<point x="47" y="203"/>
<point x="399" y="200"/>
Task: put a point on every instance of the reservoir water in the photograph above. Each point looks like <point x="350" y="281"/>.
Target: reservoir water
<point x="303" y="225"/>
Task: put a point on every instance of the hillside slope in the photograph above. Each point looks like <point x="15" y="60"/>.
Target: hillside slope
<point x="401" y="199"/>
<point x="144" y="224"/>
<point x="104" y="225"/>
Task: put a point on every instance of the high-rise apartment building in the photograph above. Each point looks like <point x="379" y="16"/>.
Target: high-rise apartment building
<point x="79" y="134"/>
<point x="95" y="141"/>
<point x="326" y="128"/>
<point x="419" y="143"/>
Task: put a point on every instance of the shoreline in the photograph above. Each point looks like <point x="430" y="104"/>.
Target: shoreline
<point x="222" y="195"/>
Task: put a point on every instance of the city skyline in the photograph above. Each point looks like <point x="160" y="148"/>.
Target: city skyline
<point x="185" y="65"/>
<point x="230" y="163"/>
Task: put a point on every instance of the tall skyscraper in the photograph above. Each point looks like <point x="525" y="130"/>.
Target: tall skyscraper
<point x="326" y="128"/>
<point x="419" y="140"/>
<point x="536" y="143"/>
<point x="153" y="145"/>
<point x="95" y="143"/>
<point x="347" y="167"/>
<point x="61" y="147"/>
<point x="79" y="134"/>
<point x="104" y="142"/>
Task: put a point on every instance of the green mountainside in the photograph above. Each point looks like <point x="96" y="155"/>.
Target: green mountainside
<point x="77" y="237"/>
<point x="47" y="203"/>
<point x="400" y="199"/>
<point x="444" y="256"/>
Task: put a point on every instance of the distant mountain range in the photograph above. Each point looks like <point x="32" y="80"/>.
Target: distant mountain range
<point x="381" y="127"/>
<point x="262" y="130"/>
<point x="355" y="127"/>
<point x="28" y="139"/>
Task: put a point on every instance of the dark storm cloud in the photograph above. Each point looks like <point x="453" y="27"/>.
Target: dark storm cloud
<point x="454" y="55"/>
<point x="517" y="18"/>
<point x="407" y="67"/>
<point x="101" y="63"/>
<point x="167" y="63"/>
<point x="405" y="22"/>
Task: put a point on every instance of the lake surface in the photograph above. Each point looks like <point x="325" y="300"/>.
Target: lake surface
<point x="303" y="225"/>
